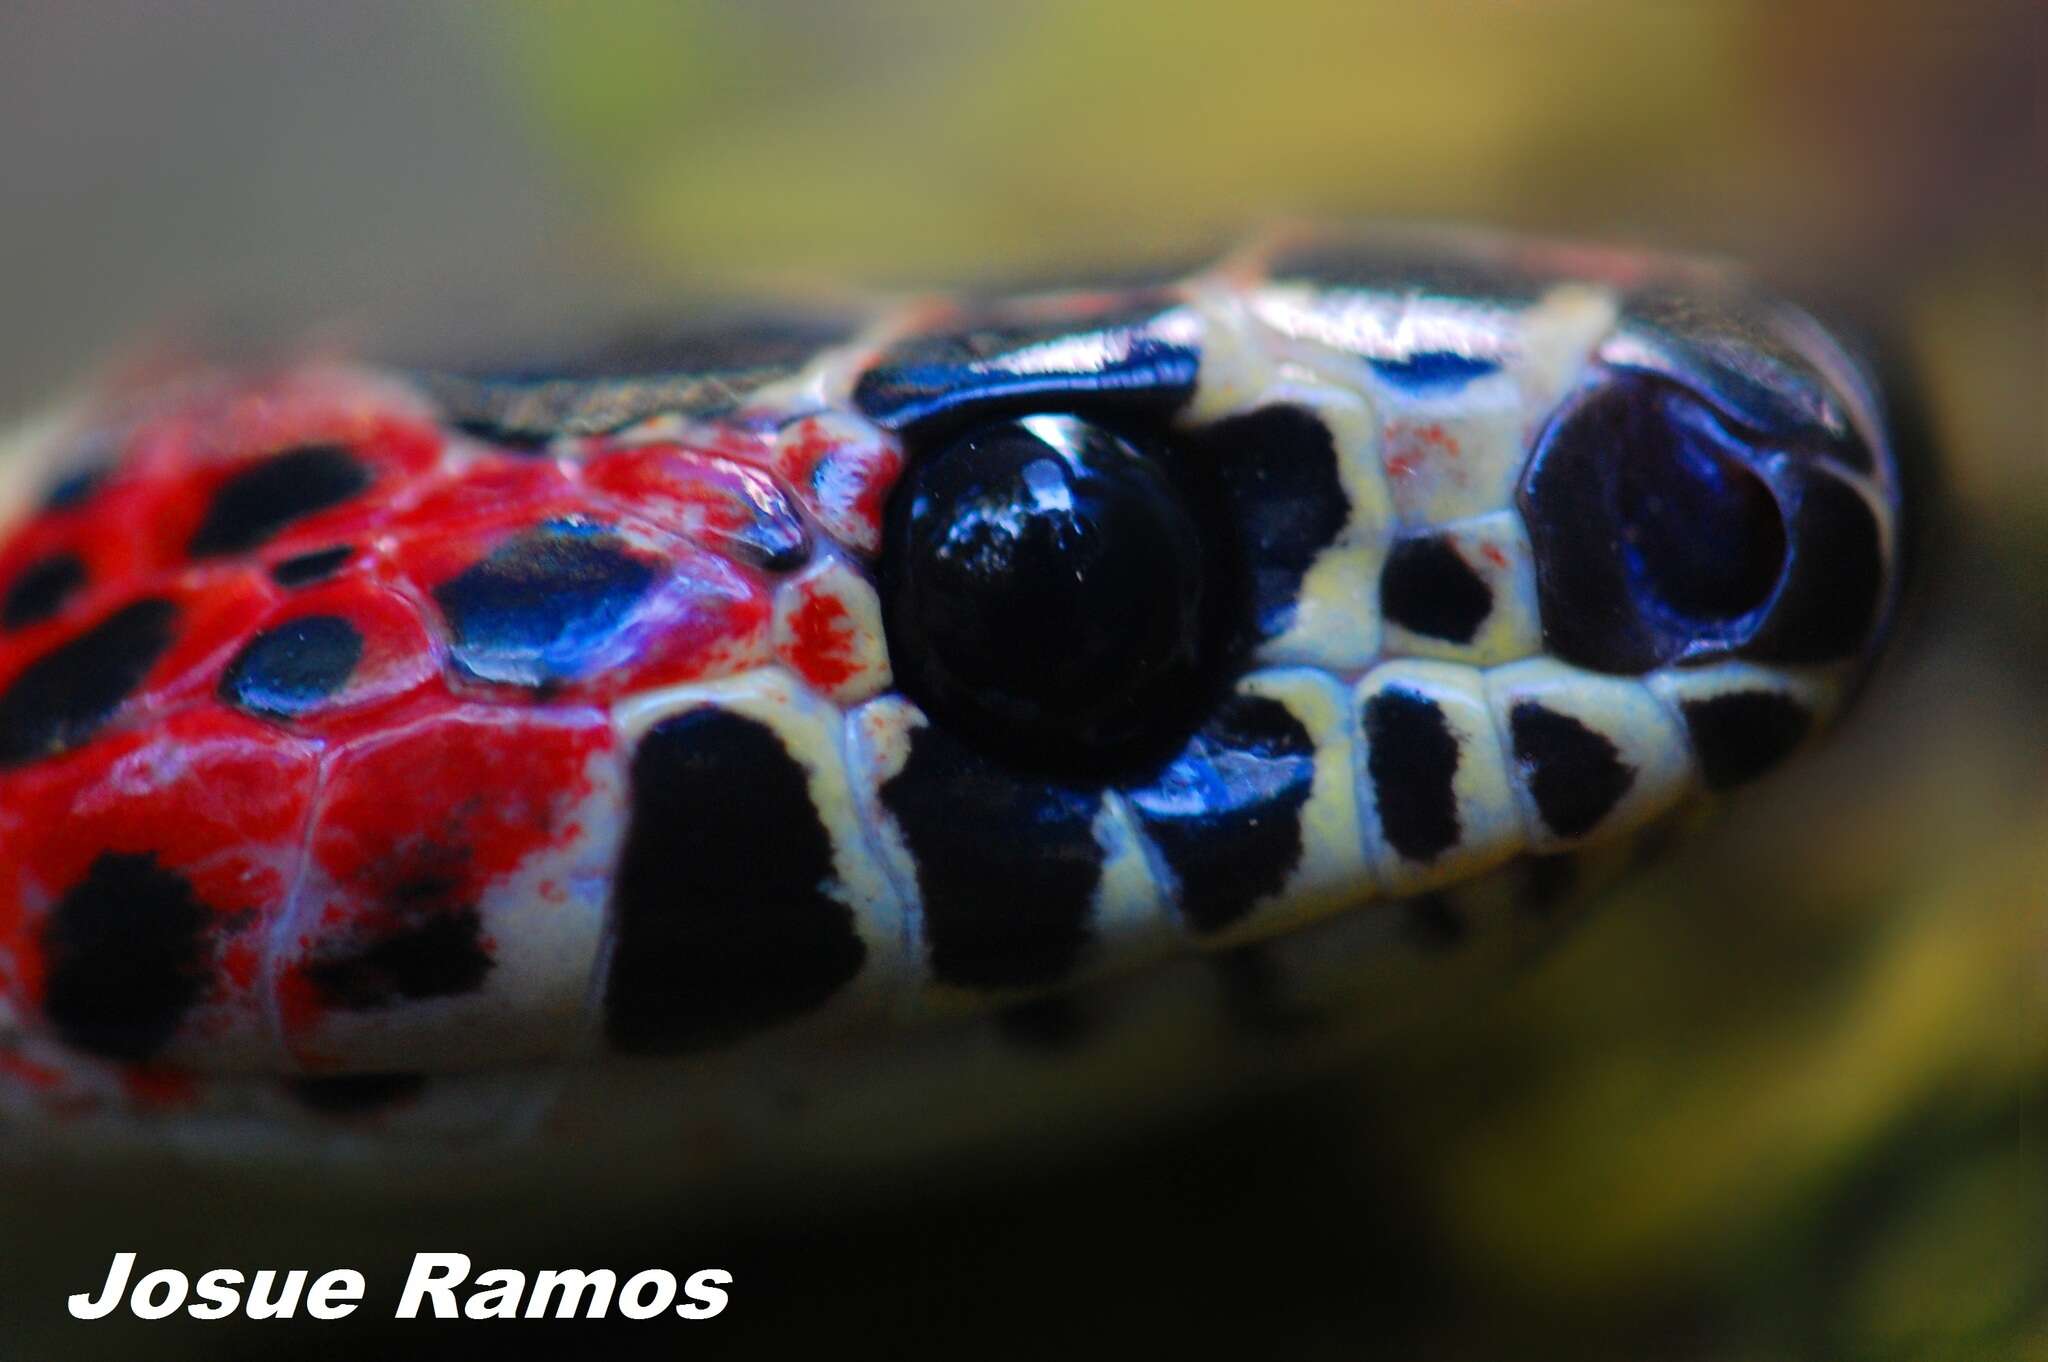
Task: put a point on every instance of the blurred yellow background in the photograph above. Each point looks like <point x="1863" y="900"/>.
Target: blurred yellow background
<point x="1786" y="1097"/>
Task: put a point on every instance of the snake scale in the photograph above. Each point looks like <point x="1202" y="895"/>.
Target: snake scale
<point x="676" y="733"/>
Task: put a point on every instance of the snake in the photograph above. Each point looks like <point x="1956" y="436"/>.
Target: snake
<point x="892" y="708"/>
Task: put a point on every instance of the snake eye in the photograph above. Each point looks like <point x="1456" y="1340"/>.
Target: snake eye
<point x="1043" y="587"/>
<point x="1656" y="534"/>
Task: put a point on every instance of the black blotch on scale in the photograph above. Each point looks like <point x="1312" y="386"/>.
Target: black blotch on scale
<point x="1007" y="866"/>
<point x="1575" y="774"/>
<point x="1835" y="584"/>
<point x="1427" y="587"/>
<point x="772" y="537"/>
<point x="42" y="589"/>
<point x="307" y="568"/>
<point x="1433" y="371"/>
<point x="74" y="487"/>
<point x="126" y="956"/>
<point x="1736" y="347"/>
<point x="1226" y="813"/>
<point x="1655" y="535"/>
<point x="1119" y="357"/>
<point x="287" y="670"/>
<point x="1412" y="760"/>
<point x="1664" y="531"/>
<point x="356" y="1094"/>
<point x="539" y="608"/>
<point x="1276" y="483"/>
<point x="253" y="505"/>
<point x="435" y="951"/>
<point x="59" y="700"/>
<point x="1741" y="735"/>
<point x="723" y="920"/>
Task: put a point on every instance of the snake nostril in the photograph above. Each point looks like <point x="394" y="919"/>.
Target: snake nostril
<point x="1701" y="534"/>
<point x="1655" y="532"/>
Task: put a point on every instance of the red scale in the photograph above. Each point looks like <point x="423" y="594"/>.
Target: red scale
<point x="376" y="862"/>
<point x="216" y="799"/>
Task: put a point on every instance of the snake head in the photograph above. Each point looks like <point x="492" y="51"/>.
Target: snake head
<point x="1333" y="454"/>
<point x="1348" y="569"/>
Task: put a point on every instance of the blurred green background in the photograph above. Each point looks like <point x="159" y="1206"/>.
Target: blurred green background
<point x="1786" y="1097"/>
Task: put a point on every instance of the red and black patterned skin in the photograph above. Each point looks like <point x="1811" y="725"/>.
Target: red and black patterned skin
<point x="361" y="728"/>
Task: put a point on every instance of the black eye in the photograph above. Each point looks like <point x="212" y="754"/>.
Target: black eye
<point x="1656" y="535"/>
<point x="1044" y="589"/>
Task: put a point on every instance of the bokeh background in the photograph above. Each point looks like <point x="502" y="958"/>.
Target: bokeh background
<point x="1785" y="1098"/>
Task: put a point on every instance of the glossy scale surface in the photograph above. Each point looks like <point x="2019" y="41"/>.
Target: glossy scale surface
<point x="381" y="750"/>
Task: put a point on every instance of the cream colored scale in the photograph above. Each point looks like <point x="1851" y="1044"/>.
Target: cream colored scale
<point x="1325" y="668"/>
<point x="1259" y="347"/>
